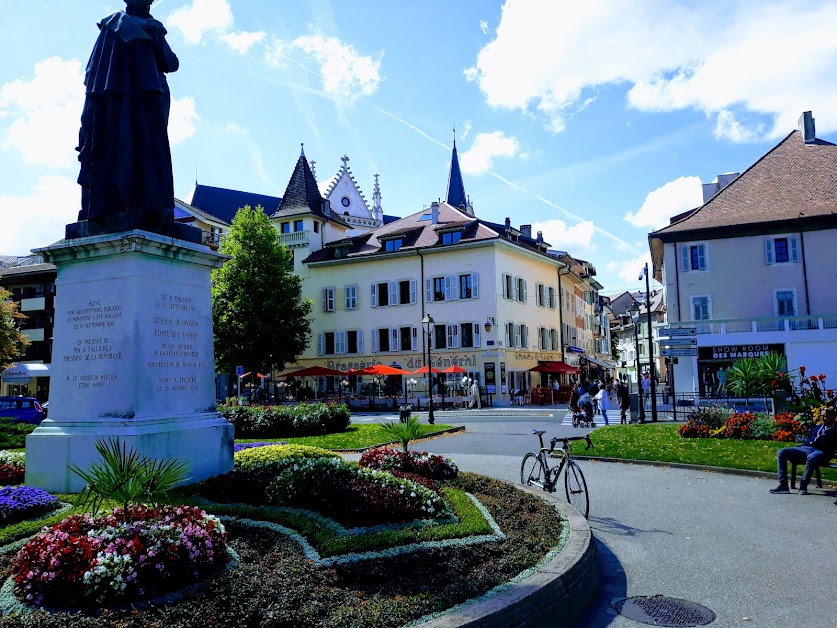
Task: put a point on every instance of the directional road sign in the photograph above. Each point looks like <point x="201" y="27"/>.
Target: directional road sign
<point x="677" y="331"/>
<point x="679" y="342"/>
<point x="677" y="351"/>
<point x="239" y="370"/>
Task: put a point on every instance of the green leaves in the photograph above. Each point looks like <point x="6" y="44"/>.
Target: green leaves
<point x="127" y="478"/>
<point x="751" y="377"/>
<point x="12" y="341"/>
<point x="403" y="432"/>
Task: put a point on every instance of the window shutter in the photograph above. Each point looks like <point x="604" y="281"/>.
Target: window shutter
<point x="325" y="299"/>
<point x="320" y="344"/>
<point x="552" y="303"/>
<point x="394" y="335"/>
<point x="685" y="263"/>
<point x="509" y="335"/>
<point x="514" y="295"/>
<point x="428" y="290"/>
<point x="506" y="295"/>
<point x="701" y="257"/>
<point x="475" y="286"/>
<point x="476" y="335"/>
<point x="450" y="332"/>
<point x="768" y="251"/>
<point x="373" y="295"/>
<point x="524" y="336"/>
<point x="346" y="301"/>
<point x="393" y="293"/>
<point x="374" y="341"/>
<point x="414" y="334"/>
<point x="518" y="336"/>
<point x="340" y="342"/>
<point x="525" y="291"/>
<point x="794" y="249"/>
<point x="454" y="287"/>
<point x="412" y="290"/>
<point x="360" y="341"/>
<point x="448" y="288"/>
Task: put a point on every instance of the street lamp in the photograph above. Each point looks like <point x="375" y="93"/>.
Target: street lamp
<point x="633" y="310"/>
<point x="428" y="324"/>
<point x="652" y="370"/>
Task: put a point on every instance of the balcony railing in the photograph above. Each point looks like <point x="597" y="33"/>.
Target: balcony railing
<point x="294" y="239"/>
<point x="756" y="325"/>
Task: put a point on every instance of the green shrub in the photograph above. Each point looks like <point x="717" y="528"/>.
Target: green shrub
<point x="711" y="415"/>
<point x="13" y="434"/>
<point x="763" y="427"/>
<point x="302" y="419"/>
<point x="403" y="432"/>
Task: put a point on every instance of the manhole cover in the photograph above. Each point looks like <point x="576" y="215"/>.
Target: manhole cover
<point x="658" y="610"/>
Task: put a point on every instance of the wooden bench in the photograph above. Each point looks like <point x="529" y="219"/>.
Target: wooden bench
<point x="832" y="464"/>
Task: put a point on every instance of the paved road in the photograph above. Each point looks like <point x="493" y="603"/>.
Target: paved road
<point x="719" y="540"/>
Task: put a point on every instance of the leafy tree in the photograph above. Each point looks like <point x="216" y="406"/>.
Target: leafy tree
<point x="259" y="315"/>
<point x="12" y="341"/>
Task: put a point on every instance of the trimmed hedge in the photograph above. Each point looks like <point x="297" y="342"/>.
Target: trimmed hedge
<point x="13" y="434"/>
<point x="302" y="419"/>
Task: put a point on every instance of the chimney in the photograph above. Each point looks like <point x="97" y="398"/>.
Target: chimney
<point x="540" y="237"/>
<point x="434" y="213"/>
<point x="526" y="230"/>
<point x="723" y="180"/>
<point x="508" y="223"/>
<point x="806" y="127"/>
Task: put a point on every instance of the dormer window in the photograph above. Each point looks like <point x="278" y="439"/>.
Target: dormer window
<point x="451" y="237"/>
<point x="340" y="252"/>
<point x="393" y="245"/>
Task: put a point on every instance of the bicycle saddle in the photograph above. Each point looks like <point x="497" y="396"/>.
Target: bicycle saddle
<point x="538" y="432"/>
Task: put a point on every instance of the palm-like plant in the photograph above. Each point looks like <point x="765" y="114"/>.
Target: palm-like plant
<point x="127" y="478"/>
<point x="752" y="376"/>
<point x="403" y="432"/>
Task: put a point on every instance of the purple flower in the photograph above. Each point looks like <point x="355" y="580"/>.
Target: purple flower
<point x="21" y="502"/>
<point x="240" y="446"/>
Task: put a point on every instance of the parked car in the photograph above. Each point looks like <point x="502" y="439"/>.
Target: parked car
<point x="22" y="409"/>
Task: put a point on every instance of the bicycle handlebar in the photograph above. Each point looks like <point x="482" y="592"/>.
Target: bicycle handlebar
<point x="567" y="439"/>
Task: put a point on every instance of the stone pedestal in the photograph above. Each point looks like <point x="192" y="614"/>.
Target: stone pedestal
<point x="132" y="357"/>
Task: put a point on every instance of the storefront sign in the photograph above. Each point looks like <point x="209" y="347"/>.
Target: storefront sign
<point x="713" y="363"/>
<point x="490" y="377"/>
<point x="409" y="363"/>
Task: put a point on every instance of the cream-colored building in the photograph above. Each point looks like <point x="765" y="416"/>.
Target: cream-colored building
<point x="754" y="268"/>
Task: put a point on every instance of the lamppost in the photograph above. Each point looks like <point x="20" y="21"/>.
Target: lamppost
<point x="344" y="382"/>
<point x="652" y="370"/>
<point x="466" y="381"/>
<point x="428" y="324"/>
<point x="633" y="310"/>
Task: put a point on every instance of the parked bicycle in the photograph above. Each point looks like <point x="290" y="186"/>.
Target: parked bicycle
<point x="535" y="470"/>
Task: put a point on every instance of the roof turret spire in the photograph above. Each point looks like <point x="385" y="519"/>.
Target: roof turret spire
<point x="456" y="188"/>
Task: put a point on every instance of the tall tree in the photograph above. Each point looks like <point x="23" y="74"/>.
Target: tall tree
<point x="259" y="315"/>
<point x="12" y="341"/>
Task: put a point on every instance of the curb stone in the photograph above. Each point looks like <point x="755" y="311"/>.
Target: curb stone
<point x="564" y="587"/>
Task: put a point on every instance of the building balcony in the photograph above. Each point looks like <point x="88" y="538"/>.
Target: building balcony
<point x="774" y="329"/>
<point x="212" y="240"/>
<point x="32" y="304"/>
<point x="295" y="239"/>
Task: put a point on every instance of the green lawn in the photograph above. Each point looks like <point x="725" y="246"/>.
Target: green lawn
<point x="663" y="443"/>
<point x="356" y="437"/>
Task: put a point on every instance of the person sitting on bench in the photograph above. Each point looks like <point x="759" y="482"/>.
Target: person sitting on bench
<point x="818" y="449"/>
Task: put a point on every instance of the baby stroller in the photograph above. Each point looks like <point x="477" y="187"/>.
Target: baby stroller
<point x="583" y="414"/>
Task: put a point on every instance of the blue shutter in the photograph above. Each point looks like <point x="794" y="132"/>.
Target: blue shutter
<point x="768" y="251"/>
<point x="794" y="249"/>
<point x="685" y="262"/>
<point x="701" y="257"/>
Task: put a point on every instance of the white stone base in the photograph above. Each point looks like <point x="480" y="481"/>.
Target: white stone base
<point x="203" y="440"/>
<point x="132" y="357"/>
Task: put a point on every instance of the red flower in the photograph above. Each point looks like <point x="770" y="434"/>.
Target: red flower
<point x="774" y="383"/>
<point x="822" y="377"/>
<point x="829" y="392"/>
<point x="802" y="370"/>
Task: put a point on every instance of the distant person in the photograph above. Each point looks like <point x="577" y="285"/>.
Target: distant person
<point x="818" y="449"/>
<point x="603" y="403"/>
<point x="593" y="391"/>
<point x="574" y="395"/>
<point x="624" y="402"/>
<point x="476" y="402"/>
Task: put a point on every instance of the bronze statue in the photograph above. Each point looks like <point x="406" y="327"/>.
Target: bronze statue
<point x="126" y="172"/>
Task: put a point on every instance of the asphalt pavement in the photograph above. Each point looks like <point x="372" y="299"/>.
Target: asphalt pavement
<point x="718" y="540"/>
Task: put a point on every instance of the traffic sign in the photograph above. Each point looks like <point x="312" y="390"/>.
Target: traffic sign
<point x="685" y="341"/>
<point x="678" y="351"/>
<point x="239" y="370"/>
<point x="677" y="331"/>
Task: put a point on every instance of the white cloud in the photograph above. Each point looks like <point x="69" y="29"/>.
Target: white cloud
<point x="629" y="270"/>
<point x="672" y="55"/>
<point x="44" y="113"/>
<point x="484" y="27"/>
<point x="575" y="239"/>
<point x="466" y="126"/>
<point x="201" y="17"/>
<point x="675" y="197"/>
<point x="242" y="41"/>
<point x="479" y="158"/>
<point x="182" y="119"/>
<point x="38" y="220"/>
<point x="344" y="71"/>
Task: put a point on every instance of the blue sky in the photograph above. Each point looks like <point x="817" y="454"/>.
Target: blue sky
<point x="595" y="122"/>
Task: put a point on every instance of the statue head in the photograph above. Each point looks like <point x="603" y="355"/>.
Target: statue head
<point x="139" y="8"/>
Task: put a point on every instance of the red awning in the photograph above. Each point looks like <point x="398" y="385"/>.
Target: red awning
<point x="454" y="369"/>
<point x="423" y="371"/>
<point x="381" y="369"/>
<point x="555" y="367"/>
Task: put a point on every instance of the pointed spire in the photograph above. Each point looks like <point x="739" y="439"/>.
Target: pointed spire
<point x="302" y="149"/>
<point x="302" y="190"/>
<point x="377" y="210"/>
<point x="456" y="188"/>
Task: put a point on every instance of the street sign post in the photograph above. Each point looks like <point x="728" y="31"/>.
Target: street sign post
<point x="677" y="331"/>
<point x="239" y="371"/>
<point x="679" y="352"/>
<point x="679" y="342"/>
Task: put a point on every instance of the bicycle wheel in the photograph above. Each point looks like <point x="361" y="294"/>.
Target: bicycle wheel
<point x="576" y="488"/>
<point x="531" y="471"/>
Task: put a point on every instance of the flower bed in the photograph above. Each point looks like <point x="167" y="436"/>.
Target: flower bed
<point x="12" y="467"/>
<point x="421" y="463"/>
<point x="746" y="425"/>
<point x="241" y="446"/>
<point x="24" y="502"/>
<point x="85" y="560"/>
<point x="302" y="419"/>
<point x="354" y="496"/>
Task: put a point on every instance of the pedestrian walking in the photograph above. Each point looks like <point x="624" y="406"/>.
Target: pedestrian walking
<point x="624" y="402"/>
<point x="476" y="402"/>
<point x="604" y="403"/>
